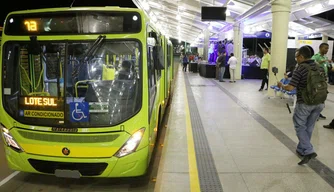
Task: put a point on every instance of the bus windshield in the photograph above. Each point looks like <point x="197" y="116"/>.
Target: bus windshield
<point x="72" y="83"/>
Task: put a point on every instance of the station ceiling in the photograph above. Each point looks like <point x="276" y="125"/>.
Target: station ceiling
<point x="181" y="19"/>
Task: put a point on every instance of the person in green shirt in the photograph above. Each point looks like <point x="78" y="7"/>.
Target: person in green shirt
<point x="321" y="59"/>
<point x="265" y="65"/>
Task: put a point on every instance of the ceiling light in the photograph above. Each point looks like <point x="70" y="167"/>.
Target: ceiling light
<point x="247" y="30"/>
<point x="181" y="8"/>
<point x="304" y="1"/>
<point x="314" y="9"/>
<point x="146" y="6"/>
<point x="154" y="4"/>
<point x="154" y="19"/>
<point x="228" y="13"/>
<point x="259" y="28"/>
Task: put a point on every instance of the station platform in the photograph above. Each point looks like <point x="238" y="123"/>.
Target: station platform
<point x="230" y="137"/>
<point x="217" y="136"/>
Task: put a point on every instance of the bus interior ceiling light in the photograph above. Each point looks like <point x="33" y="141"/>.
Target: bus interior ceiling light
<point x="131" y="144"/>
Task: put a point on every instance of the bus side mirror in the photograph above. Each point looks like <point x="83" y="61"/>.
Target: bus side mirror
<point x="158" y="58"/>
<point x="153" y="35"/>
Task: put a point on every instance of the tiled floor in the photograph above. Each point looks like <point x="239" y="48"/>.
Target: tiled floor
<point x="247" y="156"/>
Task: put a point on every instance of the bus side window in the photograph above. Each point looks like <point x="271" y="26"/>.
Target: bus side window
<point x="151" y="78"/>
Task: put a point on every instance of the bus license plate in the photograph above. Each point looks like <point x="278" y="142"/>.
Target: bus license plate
<point x="75" y="174"/>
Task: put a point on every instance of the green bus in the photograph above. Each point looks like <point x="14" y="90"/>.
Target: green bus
<point x="83" y="90"/>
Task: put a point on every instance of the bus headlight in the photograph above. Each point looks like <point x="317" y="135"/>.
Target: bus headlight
<point x="131" y="144"/>
<point x="9" y="140"/>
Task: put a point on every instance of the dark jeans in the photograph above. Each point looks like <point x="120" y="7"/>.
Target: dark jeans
<point x="331" y="77"/>
<point x="221" y="73"/>
<point x="264" y="77"/>
<point x="304" y="119"/>
<point x="185" y="66"/>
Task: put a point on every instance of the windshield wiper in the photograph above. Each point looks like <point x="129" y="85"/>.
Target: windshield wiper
<point x="92" y="50"/>
<point x="94" y="47"/>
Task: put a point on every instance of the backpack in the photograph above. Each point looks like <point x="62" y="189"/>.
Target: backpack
<point x="316" y="88"/>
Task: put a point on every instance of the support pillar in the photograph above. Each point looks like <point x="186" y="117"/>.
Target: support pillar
<point x="324" y="38"/>
<point x="206" y="34"/>
<point x="237" y="46"/>
<point x="280" y="10"/>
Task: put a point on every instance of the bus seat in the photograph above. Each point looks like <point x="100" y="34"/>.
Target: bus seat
<point x="108" y="73"/>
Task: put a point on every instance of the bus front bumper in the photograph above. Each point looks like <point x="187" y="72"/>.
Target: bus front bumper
<point x="134" y="164"/>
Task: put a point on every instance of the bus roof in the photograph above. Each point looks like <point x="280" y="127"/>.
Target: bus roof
<point x="107" y="8"/>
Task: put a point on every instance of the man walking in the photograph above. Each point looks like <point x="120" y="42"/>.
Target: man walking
<point x="185" y="62"/>
<point x="221" y="62"/>
<point x="311" y="94"/>
<point x="265" y="65"/>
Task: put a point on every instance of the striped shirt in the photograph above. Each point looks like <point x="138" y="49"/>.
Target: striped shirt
<point x="299" y="79"/>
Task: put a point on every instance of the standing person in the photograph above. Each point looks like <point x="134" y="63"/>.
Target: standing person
<point x="185" y="62"/>
<point x="233" y="64"/>
<point x="311" y="94"/>
<point x="217" y="65"/>
<point x="265" y="65"/>
<point x="323" y="61"/>
<point x="221" y="62"/>
<point x="196" y="58"/>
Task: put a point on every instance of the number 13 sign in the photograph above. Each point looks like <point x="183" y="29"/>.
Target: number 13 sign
<point x="31" y="25"/>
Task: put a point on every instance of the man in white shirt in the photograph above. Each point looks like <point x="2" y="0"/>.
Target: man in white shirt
<point x="233" y="64"/>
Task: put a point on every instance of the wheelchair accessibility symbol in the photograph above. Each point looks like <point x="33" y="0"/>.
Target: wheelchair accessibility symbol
<point x="79" y="112"/>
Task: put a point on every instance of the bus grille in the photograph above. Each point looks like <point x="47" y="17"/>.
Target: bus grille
<point x="86" y="169"/>
<point x="62" y="138"/>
